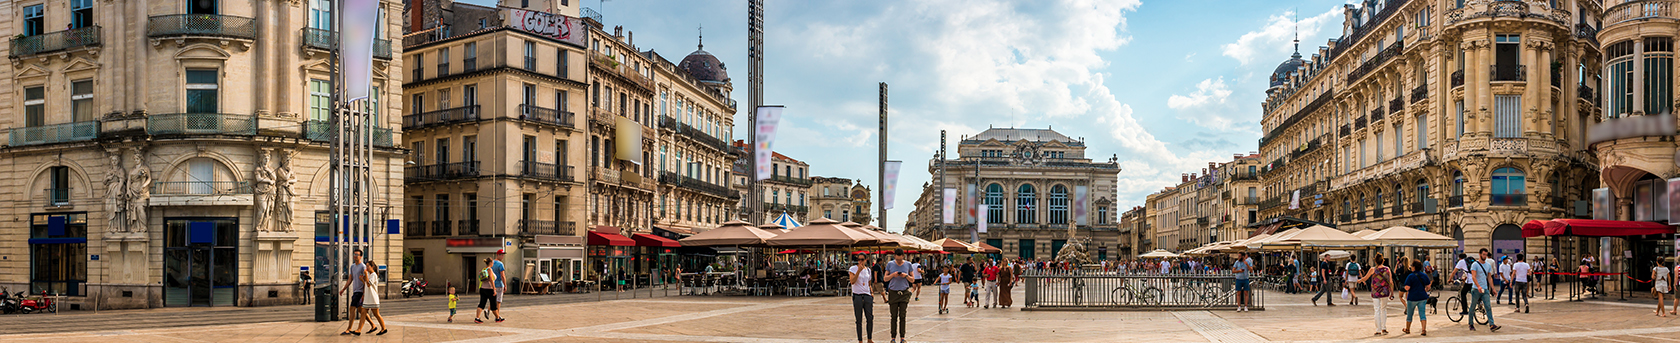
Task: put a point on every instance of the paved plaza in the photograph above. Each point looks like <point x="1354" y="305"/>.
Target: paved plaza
<point x="783" y="319"/>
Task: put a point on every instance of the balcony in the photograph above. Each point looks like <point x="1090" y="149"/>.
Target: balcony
<point x="1559" y="203"/>
<point x="1512" y="200"/>
<point x="441" y="117"/>
<point x="528" y="227"/>
<point x="414" y="229"/>
<point x="771" y="207"/>
<point x="1458" y="78"/>
<point x="200" y="187"/>
<point x="547" y="171"/>
<point x="1377" y="212"/>
<point x="1359" y="123"/>
<point x="802" y="182"/>
<point x="1420" y="93"/>
<point x="1641" y="9"/>
<point x="1396" y="105"/>
<point x="603" y="174"/>
<point x="469" y="65"/>
<point x="314" y="38"/>
<point x="546" y="116"/>
<point x="1346" y="218"/>
<point x="1376" y="114"/>
<point x="1508" y="72"/>
<point x="697" y="135"/>
<point x="1587" y="32"/>
<point x="201" y="25"/>
<point x="201" y="123"/>
<point x="55" y="41"/>
<point x="1345" y="131"/>
<point x="1455" y="201"/>
<point x="441" y="172"/>
<point x="1250" y="200"/>
<point x="50" y="134"/>
<point x="1359" y="215"/>
<point x="1416" y="207"/>
<point x="697" y="185"/>
<point x="466" y="227"/>
<point x="441" y="228"/>
<point x="1586" y="93"/>
<point x="1371" y="65"/>
<point x="605" y="62"/>
<point x="321" y="131"/>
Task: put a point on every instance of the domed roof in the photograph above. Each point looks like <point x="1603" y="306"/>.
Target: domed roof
<point x="1281" y="75"/>
<point x="705" y="67"/>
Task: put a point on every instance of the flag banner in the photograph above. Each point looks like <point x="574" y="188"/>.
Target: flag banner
<point x="1081" y="196"/>
<point x="355" y="40"/>
<point x="558" y="27"/>
<point x="980" y="223"/>
<point x="890" y="189"/>
<point x="947" y="209"/>
<point x="763" y="135"/>
<point x="968" y="203"/>
<point x="1603" y="204"/>
<point x="1295" y="200"/>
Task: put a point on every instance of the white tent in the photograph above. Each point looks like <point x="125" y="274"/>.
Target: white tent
<point x="1400" y="236"/>
<point x="1158" y="253"/>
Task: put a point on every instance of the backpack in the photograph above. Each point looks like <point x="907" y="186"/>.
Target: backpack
<point x="1379" y="284"/>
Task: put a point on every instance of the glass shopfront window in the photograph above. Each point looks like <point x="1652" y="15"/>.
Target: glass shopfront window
<point x="200" y="261"/>
<point x="58" y="253"/>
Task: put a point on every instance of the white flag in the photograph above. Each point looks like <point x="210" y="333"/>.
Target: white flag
<point x="948" y="206"/>
<point x="1081" y="195"/>
<point x="355" y="41"/>
<point x="1295" y="200"/>
<point x="763" y="135"/>
<point x="980" y="220"/>
<point x="890" y="189"/>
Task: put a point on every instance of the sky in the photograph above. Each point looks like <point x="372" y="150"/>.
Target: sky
<point x="1166" y="86"/>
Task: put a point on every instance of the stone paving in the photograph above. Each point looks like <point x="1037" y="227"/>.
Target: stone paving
<point x="783" y="319"/>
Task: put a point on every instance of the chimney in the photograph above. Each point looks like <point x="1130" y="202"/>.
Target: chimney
<point x="1183" y="177"/>
<point x="417" y="17"/>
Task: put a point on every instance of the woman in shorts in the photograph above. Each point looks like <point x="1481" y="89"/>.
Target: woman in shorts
<point x="945" y="288"/>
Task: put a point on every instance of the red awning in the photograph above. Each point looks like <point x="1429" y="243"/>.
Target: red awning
<point x="603" y="238"/>
<point x="1534" y="228"/>
<point x="1604" y="228"/>
<point x="646" y="240"/>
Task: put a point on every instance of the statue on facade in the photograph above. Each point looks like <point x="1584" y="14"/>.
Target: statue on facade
<point x="114" y="194"/>
<point x="285" y="192"/>
<point x="262" y="187"/>
<point x="1074" y="252"/>
<point x="139" y="192"/>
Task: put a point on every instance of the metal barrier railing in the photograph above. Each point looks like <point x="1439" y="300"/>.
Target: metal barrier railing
<point x="1051" y="289"/>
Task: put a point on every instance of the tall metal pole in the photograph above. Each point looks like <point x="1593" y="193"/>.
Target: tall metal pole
<point x="881" y="171"/>
<point x="755" y="99"/>
<point x="327" y="299"/>
<point x="940" y="189"/>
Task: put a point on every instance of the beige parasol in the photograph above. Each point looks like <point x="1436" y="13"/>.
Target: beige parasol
<point x="822" y="232"/>
<point x="734" y="232"/>
<point x="1400" y="236"/>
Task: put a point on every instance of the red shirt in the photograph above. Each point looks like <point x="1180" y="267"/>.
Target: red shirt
<point x="991" y="273"/>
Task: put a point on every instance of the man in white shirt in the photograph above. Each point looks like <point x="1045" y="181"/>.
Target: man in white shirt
<point x="916" y="279"/>
<point x="1461" y="274"/>
<point x="1520" y="272"/>
<point x="1505" y="287"/>
<point x="1165" y="267"/>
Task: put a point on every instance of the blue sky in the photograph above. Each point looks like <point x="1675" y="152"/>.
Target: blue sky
<point x="1166" y="85"/>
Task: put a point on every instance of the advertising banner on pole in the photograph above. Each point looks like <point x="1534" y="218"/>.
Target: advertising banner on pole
<point x="1081" y="195"/>
<point x="968" y="203"/>
<point x="558" y="27"/>
<point x="980" y="222"/>
<point x="763" y="135"/>
<point x="890" y="189"/>
<point x="947" y="209"/>
<point x="355" y="41"/>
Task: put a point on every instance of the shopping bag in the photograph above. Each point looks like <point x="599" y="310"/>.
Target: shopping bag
<point x="1345" y="294"/>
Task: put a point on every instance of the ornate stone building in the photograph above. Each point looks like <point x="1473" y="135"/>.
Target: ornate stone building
<point x="1635" y="140"/>
<point x="1464" y="118"/>
<point x="1032" y="180"/>
<point x="174" y="153"/>
<point x="696" y="117"/>
<point x="840" y="199"/>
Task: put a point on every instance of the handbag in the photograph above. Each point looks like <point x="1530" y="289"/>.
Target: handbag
<point x="1345" y="295"/>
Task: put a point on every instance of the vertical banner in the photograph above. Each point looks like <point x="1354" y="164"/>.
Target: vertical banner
<point x="1604" y="207"/>
<point x="763" y="135"/>
<point x="1673" y="204"/>
<point x="359" y="23"/>
<point x="890" y="189"/>
<point x="968" y="203"/>
<point x="947" y="209"/>
<point x="1081" y="195"/>
<point x="1295" y="200"/>
<point x="980" y="221"/>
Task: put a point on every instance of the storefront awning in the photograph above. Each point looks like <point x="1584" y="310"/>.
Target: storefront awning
<point x="646" y="240"/>
<point x="603" y="238"/>
<point x="1604" y="228"/>
<point x="1534" y="228"/>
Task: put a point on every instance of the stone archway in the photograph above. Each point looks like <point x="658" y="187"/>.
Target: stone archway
<point x="1508" y="240"/>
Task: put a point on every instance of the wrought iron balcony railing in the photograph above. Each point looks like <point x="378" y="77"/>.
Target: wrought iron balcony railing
<point x="530" y="227"/>
<point x="1455" y="201"/>
<point x="441" y="171"/>
<point x="1458" y="78"/>
<point x="442" y="228"/>
<point x="326" y="40"/>
<point x="201" y="123"/>
<point x="320" y="130"/>
<point x="58" y="133"/>
<point x="55" y="41"/>
<point x="211" y="25"/>
<point x="546" y="115"/>
<point x="441" y="117"/>
<point x="200" y="187"/>
<point x="466" y="227"/>
<point x="1420" y="93"/>
<point x="1508" y="72"/>
<point x="545" y="171"/>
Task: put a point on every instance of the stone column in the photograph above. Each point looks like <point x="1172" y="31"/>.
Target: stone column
<point x="1548" y="115"/>
<point x="1534" y="84"/>
<point x="1638" y="104"/>
<point x="1472" y="85"/>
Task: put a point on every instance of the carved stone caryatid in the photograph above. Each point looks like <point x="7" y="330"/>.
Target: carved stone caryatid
<point x="139" y="192"/>
<point x="262" y="188"/>
<point x="285" y="192"/>
<point x="115" y="193"/>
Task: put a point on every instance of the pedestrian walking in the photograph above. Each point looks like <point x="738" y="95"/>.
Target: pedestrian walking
<point x="1481" y="272"/>
<point x="863" y="303"/>
<point x="1520" y="274"/>
<point x="916" y="279"/>
<point x="1006" y="281"/>
<point x="898" y="282"/>
<point x="1552" y="271"/>
<point x="1379" y="277"/>
<point x="1504" y="281"/>
<point x="1417" y="295"/>
<point x="372" y="302"/>
<point x="452" y="301"/>
<point x="945" y="279"/>
<point x="358" y="289"/>
<point x="970" y="299"/>
<point x="1239" y="270"/>
<point x="1326" y="286"/>
<point x="486" y="293"/>
<point x="501" y="282"/>
<point x="1461" y="275"/>
<point x="991" y="284"/>
<point x="1351" y="278"/>
<point x="1660" y="284"/>
<point x="1673" y="285"/>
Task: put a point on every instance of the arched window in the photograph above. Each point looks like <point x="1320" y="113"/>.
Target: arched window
<point x="1361" y="204"/>
<point x="1058" y="204"/>
<point x="1399" y="199"/>
<point x="1377" y="206"/>
<point x="1508" y="187"/>
<point x="1025" y="202"/>
<point x="1457" y="199"/>
<point x="994" y="204"/>
<point x="1422" y="191"/>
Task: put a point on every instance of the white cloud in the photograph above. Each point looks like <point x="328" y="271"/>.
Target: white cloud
<point x="1208" y="106"/>
<point x="1274" y="39"/>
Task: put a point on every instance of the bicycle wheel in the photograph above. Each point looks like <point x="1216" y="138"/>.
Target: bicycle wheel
<point x="1455" y="309"/>
<point x="1151" y="296"/>
<point x="1120" y="296"/>
<point x="1480" y="308"/>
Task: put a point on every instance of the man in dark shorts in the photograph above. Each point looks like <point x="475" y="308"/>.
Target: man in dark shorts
<point x="356" y="286"/>
<point x="968" y="276"/>
<point x="1240" y="269"/>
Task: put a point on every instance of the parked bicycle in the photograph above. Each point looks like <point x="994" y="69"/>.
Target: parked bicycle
<point x="1128" y="294"/>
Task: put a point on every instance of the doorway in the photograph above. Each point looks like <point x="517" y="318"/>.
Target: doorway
<point x="200" y="261"/>
<point x="469" y="268"/>
<point x="1508" y="240"/>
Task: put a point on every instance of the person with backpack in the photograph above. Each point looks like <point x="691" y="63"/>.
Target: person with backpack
<point x="1352" y="280"/>
<point x="1382" y="290"/>
<point x="486" y="293"/>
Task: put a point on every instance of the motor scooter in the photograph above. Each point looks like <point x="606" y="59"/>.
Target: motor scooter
<point x="8" y="304"/>
<point x="414" y="286"/>
<point x="44" y="304"/>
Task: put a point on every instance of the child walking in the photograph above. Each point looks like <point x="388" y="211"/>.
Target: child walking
<point x="452" y="300"/>
<point x="944" y="289"/>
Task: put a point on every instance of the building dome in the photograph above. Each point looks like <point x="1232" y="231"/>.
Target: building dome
<point x="1281" y="75"/>
<point x="704" y="67"/>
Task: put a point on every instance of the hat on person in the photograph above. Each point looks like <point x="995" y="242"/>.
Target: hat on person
<point x="501" y="252"/>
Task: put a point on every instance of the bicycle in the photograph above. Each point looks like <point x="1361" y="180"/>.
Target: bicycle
<point x="1456" y="311"/>
<point x="1127" y="295"/>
